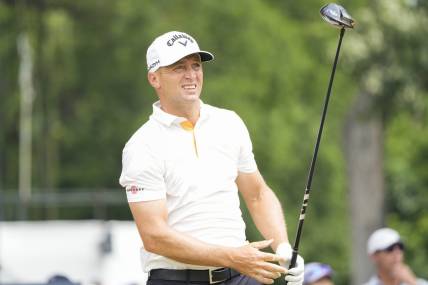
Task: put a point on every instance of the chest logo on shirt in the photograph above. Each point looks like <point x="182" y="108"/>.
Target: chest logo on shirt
<point x="134" y="189"/>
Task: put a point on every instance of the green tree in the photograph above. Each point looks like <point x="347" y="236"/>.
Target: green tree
<point x="272" y="65"/>
<point x="388" y="59"/>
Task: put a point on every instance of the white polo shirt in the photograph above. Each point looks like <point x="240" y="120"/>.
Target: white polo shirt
<point x="194" y="170"/>
<point x="374" y="280"/>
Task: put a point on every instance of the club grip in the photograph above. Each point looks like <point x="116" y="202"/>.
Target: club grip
<point x="292" y="261"/>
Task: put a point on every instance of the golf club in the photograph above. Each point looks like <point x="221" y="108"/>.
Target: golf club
<point x="337" y="16"/>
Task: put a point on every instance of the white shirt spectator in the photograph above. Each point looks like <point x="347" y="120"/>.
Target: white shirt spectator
<point x="376" y="281"/>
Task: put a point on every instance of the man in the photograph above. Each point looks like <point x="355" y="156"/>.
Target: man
<point x="386" y="250"/>
<point x="318" y="274"/>
<point x="182" y="171"/>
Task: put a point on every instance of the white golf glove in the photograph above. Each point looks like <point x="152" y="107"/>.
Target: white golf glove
<point x="295" y="274"/>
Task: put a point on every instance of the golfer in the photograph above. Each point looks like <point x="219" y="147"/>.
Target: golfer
<point x="182" y="171"/>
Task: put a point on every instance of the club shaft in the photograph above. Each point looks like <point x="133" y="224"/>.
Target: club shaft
<point x="314" y="158"/>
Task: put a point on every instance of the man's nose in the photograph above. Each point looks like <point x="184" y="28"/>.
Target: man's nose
<point x="190" y="73"/>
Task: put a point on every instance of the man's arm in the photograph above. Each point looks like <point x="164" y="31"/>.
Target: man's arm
<point x="264" y="207"/>
<point x="404" y="274"/>
<point x="158" y="237"/>
<point x="267" y="214"/>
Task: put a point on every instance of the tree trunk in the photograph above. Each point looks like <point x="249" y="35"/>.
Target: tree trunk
<point x="25" y="122"/>
<point x="364" y="156"/>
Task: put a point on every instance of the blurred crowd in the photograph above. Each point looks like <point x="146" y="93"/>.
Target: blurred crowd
<point x="385" y="249"/>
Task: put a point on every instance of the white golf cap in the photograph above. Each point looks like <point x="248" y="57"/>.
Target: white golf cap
<point x="381" y="239"/>
<point x="171" y="47"/>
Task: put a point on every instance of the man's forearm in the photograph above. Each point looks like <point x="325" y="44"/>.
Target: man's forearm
<point x="159" y="238"/>
<point x="267" y="214"/>
<point x="186" y="249"/>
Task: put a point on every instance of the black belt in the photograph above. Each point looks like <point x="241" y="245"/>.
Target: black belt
<point x="211" y="276"/>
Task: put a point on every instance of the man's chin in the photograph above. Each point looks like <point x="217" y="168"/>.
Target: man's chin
<point x="191" y="97"/>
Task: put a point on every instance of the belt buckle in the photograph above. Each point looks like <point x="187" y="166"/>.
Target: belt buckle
<point x="210" y="272"/>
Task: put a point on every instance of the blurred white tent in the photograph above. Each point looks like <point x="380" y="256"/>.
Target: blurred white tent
<point x="87" y="252"/>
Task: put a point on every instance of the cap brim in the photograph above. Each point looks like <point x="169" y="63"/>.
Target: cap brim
<point x="206" y="56"/>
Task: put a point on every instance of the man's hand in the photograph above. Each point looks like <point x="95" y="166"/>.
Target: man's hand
<point x="295" y="274"/>
<point x="250" y="261"/>
<point x="404" y="274"/>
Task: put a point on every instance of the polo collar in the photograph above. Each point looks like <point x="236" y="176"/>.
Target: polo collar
<point x="169" y="119"/>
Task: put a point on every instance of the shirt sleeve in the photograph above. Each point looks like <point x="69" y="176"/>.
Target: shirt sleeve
<point x="421" y="282"/>
<point x="246" y="161"/>
<point x="142" y="174"/>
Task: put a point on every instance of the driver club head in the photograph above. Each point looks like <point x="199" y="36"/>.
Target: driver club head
<point x="337" y="16"/>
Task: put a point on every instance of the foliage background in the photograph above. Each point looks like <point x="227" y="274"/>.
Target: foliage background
<point x="273" y="61"/>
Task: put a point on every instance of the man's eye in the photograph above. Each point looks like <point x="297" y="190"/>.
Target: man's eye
<point x="179" y="68"/>
<point x="196" y="66"/>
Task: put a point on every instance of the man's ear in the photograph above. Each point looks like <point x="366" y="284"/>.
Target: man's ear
<point x="374" y="257"/>
<point x="153" y="79"/>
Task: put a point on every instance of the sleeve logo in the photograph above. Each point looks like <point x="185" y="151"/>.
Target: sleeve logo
<point x="134" y="189"/>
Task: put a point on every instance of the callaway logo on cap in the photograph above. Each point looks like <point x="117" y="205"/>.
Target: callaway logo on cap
<point x="171" y="47"/>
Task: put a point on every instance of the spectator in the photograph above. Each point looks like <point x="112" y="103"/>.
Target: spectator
<point x="317" y="274"/>
<point x="59" y="279"/>
<point x="386" y="250"/>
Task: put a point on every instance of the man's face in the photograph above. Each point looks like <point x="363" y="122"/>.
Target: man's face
<point x="387" y="260"/>
<point x="182" y="81"/>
